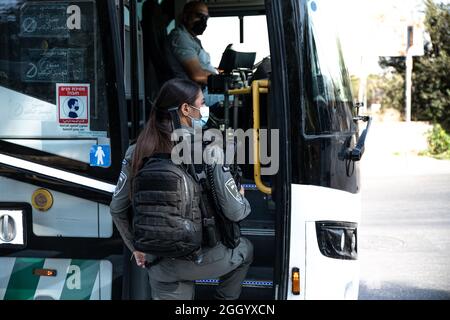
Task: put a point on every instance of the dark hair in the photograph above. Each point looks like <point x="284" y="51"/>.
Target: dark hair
<point x="155" y="138"/>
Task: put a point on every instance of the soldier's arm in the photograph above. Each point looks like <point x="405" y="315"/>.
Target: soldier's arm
<point x="233" y="204"/>
<point x="195" y="71"/>
<point x="121" y="203"/>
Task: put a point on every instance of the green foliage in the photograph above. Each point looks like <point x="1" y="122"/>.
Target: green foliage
<point x="386" y="89"/>
<point x="398" y="64"/>
<point x="431" y="92"/>
<point x="438" y="143"/>
<point x="430" y="80"/>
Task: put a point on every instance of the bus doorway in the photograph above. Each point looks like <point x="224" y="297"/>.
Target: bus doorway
<point x="299" y="214"/>
<point x="260" y="226"/>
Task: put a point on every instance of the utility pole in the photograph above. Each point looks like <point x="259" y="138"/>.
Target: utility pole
<point x="409" y="68"/>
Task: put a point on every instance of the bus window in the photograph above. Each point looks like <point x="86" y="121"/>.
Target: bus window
<point x="327" y="111"/>
<point x="256" y="38"/>
<point x="215" y="45"/>
<point x="52" y="79"/>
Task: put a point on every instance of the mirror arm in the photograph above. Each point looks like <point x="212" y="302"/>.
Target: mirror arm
<point x="356" y="153"/>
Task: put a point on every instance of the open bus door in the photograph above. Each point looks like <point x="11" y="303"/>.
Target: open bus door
<point x="62" y="139"/>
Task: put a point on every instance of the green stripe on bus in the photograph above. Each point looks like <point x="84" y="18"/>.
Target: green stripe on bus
<point x="22" y="284"/>
<point x="80" y="280"/>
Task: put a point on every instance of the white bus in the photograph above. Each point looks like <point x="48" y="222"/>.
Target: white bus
<point x="76" y="83"/>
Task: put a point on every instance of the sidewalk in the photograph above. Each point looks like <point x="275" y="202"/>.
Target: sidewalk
<point x="392" y="150"/>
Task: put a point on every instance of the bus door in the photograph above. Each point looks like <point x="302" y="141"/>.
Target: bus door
<point x="319" y="186"/>
<point x="246" y="28"/>
<point x="62" y="138"/>
<point x="153" y="21"/>
<point x="134" y="71"/>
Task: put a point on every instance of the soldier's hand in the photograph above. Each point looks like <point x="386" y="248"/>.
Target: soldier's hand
<point x="140" y="258"/>
<point x="242" y="191"/>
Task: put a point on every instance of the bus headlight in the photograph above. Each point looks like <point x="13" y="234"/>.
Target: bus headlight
<point x="337" y="240"/>
<point x="12" y="228"/>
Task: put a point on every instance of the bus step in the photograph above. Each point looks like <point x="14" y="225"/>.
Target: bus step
<point x="257" y="286"/>
<point x="245" y="283"/>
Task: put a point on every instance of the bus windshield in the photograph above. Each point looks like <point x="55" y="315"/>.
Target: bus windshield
<point x="330" y="97"/>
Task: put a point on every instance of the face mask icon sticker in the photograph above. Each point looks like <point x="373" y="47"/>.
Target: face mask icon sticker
<point x="74" y="108"/>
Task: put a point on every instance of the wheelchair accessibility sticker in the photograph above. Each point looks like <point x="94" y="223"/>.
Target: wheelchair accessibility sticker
<point x="73" y="106"/>
<point x="100" y="155"/>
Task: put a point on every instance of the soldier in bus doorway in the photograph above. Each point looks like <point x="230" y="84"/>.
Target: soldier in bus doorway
<point x="185" y="53"/>
<point x="172" y="276"/>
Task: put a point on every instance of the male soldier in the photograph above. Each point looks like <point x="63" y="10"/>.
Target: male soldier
<point x="185" y="53"/>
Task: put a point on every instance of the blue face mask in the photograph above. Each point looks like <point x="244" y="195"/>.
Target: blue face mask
<point x="204" y="113"/>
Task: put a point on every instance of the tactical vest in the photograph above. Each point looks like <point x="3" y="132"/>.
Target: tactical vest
<point x="167" y="217"/>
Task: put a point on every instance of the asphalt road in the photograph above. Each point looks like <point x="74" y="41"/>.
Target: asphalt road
<point x="404" y="235"/>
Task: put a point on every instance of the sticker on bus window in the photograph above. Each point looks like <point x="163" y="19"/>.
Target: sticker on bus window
<point x="73" y="106"/>
<point x="100" y="155"/>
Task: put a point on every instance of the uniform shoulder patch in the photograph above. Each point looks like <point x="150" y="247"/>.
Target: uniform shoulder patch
<point x="121" y="183"/>
<point x="231" y="187"/>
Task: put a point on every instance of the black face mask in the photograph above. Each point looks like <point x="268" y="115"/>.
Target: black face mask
<point x="200" y="26"/>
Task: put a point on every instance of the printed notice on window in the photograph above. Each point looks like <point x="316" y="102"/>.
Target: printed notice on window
<point x="73" y="106"/>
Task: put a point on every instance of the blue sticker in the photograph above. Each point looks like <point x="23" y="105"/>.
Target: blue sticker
<point x="100" y="155"/>
<point x="313" y="6"/>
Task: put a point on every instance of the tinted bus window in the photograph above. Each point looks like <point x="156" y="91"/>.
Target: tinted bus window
<point x="328" y="109"/>
<point x="52" y="77"/>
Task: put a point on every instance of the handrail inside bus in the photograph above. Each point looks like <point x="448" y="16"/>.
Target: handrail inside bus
<point x="258" y="87"/>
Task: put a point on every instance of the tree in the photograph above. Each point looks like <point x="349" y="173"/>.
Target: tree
<point x="386" y="89"/>
<point x="430" y="79"/>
